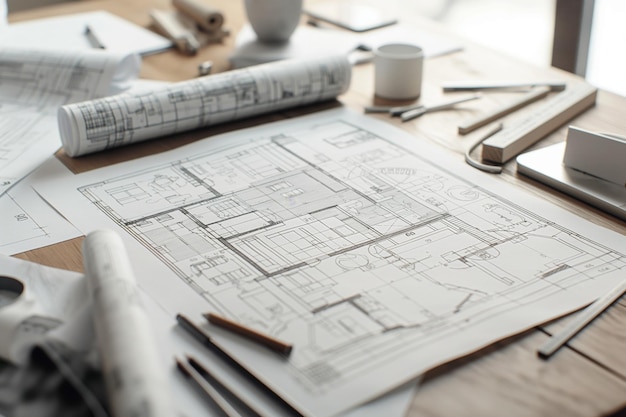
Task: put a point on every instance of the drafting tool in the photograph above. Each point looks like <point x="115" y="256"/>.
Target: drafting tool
<point x="500" y="85"/>
<point x="420" y="108"/>
<point x="201" y="336"/>
<point x="93" y="38"/>
<point x="222" y="387"/>
<point x="534" y="95"/>
<point x="582" y="320"/>
<point x="539" y="122"/>
<point x="207" y="389"/>
<point x="411" y="114"/>
<point x="265" y="340"/>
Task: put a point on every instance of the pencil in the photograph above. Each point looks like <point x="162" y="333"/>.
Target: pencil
<point x="228" y="393"/>
<point x="207" y="389"/>
<point x="202" y="337"/>
<point x="263" y="339"/>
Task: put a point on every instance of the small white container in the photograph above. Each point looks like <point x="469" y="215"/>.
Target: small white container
<point x="398" y="71"/>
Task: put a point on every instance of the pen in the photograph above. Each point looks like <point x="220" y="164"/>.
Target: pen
<point x="93" y="39"/>
<point x="265" y="340"/>
<point x="207" y="389"/>
<point x="204" y="339"/>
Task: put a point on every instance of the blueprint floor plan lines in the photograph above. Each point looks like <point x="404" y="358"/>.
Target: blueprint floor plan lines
<point x="28" y="222"/>
<point x="115" y="121"/>
<point x="343" y="236"/>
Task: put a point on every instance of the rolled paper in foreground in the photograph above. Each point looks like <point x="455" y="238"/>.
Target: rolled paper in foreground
<point x="135" y="379"/>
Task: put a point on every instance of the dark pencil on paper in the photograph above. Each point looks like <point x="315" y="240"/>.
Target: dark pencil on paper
<point x="222" y="387"/>
<point x="201" y="336"/>
<point x="93" y="38"/>
<point x="207" y="389"/>
<point x="263" y="339"/>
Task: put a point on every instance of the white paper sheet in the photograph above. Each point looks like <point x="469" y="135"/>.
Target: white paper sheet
<point x="68" y="32"/>
<point x="28" y="222"/>
<point x="375" y="255"/>
<point x="33" y="84"/>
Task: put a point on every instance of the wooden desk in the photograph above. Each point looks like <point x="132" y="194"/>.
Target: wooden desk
<point x="586" y="379"/>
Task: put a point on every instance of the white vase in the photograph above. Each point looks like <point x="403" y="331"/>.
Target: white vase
<point x="273" y="21"/>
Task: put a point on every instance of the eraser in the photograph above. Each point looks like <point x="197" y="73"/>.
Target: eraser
<point x="599" y="154"/>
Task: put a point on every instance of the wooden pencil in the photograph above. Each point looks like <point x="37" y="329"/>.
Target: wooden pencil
<point x="263" y="339"/>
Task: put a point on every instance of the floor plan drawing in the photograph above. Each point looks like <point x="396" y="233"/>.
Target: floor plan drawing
<point x="372" y="260"/>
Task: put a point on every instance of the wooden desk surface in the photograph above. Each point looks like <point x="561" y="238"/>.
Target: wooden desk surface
<point x="586" y="379"/>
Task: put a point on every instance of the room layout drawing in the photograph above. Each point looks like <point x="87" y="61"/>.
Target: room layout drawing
<point x="361" y="252"/>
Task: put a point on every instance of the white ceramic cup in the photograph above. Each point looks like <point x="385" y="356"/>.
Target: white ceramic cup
<point x="273" y="21"/>
<point x="398" y="71"/>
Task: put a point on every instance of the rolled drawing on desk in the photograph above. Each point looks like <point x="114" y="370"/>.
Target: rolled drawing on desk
<point x="171" y="28"/>
<point x="206" y="17"/>
<point x="96" y="125"/>
<point x="135" y="379"/>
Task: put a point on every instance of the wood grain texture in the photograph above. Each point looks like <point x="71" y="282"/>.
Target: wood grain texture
<point x="508" y="379"/>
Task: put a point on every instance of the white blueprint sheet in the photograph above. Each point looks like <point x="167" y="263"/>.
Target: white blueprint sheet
<point x="374" y="254"/>
<point x="33" y="84"/>
<point x="28" y="222"/>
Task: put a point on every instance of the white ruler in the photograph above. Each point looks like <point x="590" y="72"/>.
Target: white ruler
<point x="541" y="121"/>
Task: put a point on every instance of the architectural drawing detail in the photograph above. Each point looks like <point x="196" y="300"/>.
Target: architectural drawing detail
<point x="354" y="248"/>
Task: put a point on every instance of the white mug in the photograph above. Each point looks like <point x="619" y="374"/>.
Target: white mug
<point x="273" y="21"/>
<point x="398" y="71"/>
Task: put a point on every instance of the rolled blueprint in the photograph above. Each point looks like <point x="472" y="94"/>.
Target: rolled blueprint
<point x="206" y="17"/>
<point x="94" y="125"/>
<point x="135" y="379"/>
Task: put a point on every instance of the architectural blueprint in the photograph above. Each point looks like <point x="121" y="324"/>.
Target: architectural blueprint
<point x="116" y="121"/>
<point x="28" y="222"/>
<point x="33" y="84"/>
<point x="376" y="256"/>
